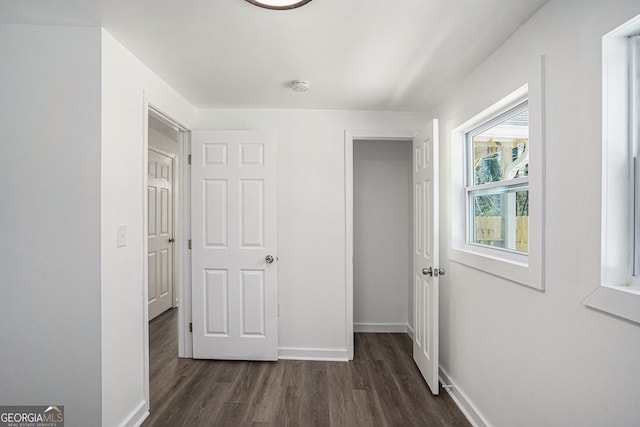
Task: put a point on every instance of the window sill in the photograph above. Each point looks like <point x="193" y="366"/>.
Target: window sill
<point x="513" y="267"/>
<point x="621" y="301"/>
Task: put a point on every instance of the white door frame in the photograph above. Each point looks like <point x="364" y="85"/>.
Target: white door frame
<point x="182" y="225"/>
<point x="349" y="138"/>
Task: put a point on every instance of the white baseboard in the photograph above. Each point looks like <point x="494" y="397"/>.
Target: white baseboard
<point x="325" y="354"/>
<point x="410" y="331"/>
<point x="137" y="416"/>
<point x="460" y="398"/>
<point x="392" y="328"/>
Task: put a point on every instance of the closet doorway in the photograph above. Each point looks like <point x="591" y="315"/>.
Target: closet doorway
<point x="382" y="235"/>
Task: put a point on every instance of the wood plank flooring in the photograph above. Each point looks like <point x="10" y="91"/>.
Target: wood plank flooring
<point x="380" y="387"/>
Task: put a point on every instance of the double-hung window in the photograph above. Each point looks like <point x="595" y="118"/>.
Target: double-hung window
<point x="497" y="185"/>
<point x="618" y="290"/>
<point x="497" y="181"/>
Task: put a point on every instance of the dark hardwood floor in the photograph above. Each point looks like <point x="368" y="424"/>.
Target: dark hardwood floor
<point x="380" y="387"/>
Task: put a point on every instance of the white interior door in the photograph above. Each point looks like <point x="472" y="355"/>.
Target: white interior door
<point x="234" y="261"/>
<point x="160" y="233"/>
<point x="425" y="261"/>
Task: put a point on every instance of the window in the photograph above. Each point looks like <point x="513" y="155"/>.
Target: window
<point x="497" y="184"/>
<point x="618" y="290"/>
<point x="497" y="190"/>
<point x="634" y="145"/>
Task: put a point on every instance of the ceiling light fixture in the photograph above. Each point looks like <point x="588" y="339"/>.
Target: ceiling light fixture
<point x="299" y="85"/>
<point x="278" y="4"/>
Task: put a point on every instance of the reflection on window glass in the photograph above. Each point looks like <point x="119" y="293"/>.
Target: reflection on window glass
<point x="501" y="217"/>
<point x="498" y="200"/>
<point x="502" y="152"/>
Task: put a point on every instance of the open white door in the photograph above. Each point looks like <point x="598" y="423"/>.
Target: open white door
<point x="160" y="233"/>
<point x="234" y="258"/>
<point x="425" y="260"/>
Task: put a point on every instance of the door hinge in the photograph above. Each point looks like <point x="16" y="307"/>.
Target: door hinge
<point x="189" y="243"/>
<point x="190" y="327"/>
<point x="189" y="159"/>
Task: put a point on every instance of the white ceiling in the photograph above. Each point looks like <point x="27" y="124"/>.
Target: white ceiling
<point x="358" y="54"/>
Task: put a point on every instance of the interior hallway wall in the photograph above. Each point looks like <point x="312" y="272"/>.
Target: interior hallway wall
<point x="125" y="83"/>
<point x="50" y="339"/>
<point x="524" y="357"/>
<point x="382" y="225"/>
<point x="311" y="215"/>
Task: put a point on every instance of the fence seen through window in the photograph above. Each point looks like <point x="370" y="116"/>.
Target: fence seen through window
<point x="498" y="181"/>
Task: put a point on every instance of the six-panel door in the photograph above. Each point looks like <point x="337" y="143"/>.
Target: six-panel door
<point x="234" y="296"/>
<point x="160" y="231"/>
<point x="425" y="259"/>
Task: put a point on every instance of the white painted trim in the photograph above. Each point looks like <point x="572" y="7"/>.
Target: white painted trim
<point x="185" y="338"/>
<point x="348" y="195"/>
<point x="137" y="416"/>
<point x="145" y="251"/>
<point x="620" y="301"/>
<point x="391" y="328"/>
<point x="349" y="137"/>
<point x="462" y="400"/>
<point x="321" y="354"/>
<point x="410" y="332"/>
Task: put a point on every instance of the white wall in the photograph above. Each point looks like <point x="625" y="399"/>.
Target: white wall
<point x="311" y="215"/>
<point x="524" y="357"/>
<point x="50" y="210"/>
<point x="124" y="79"/>
<point x="382" y="182"/>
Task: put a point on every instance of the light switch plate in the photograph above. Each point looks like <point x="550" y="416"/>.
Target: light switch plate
<point x="122" y="236"/>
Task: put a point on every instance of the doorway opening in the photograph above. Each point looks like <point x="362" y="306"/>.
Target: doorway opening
<point x="361" y="323"/>
<point x="424" y="244"/>
<point x="382" y="236"/>
<point x="166" y="216"/>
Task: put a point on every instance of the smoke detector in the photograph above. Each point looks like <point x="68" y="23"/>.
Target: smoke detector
<point x="299" y="85"/>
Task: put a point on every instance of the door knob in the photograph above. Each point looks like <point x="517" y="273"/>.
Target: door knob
<point x="269" y="259"/>
<point x="434" y="272"/>
<point x="172" y="240"/>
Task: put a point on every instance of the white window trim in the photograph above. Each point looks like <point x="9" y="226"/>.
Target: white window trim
<point x="524" y="269"/>
<point x="614" y="294"/>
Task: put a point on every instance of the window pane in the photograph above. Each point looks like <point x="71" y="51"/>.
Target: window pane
<point x="500" y="217"/>
<point x="502" y="152"/>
